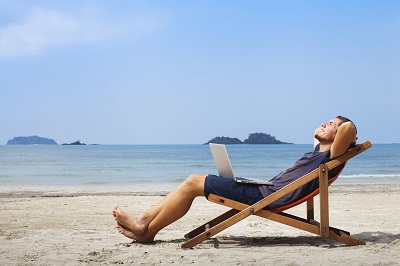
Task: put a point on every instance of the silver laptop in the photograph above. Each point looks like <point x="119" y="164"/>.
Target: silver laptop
<point x="224" y="166"/>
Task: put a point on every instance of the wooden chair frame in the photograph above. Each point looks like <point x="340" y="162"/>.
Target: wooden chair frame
<point x="239" y="211"/>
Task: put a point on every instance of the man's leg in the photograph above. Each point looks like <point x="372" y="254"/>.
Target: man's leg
<point x="176" y="204"/>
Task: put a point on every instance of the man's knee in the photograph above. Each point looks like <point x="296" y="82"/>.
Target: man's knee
<point x="195" y="182"/>
<point x="196" y="179"/>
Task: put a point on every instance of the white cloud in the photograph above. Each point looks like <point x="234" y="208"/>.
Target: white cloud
<point x="44" y="29"/>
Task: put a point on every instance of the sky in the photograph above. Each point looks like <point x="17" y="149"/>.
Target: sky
<point x="184" y="72"/>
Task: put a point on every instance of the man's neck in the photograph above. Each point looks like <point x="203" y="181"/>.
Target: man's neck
<point x="324" y="146"/>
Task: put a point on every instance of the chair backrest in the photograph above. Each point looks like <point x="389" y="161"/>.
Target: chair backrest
<point x="305" y="198"/>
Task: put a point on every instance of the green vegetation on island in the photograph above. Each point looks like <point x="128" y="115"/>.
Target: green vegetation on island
<point x="254" y="138"/>
<point x="225" y="140"/>
<point x="32" y="140"/>
<point x="262" y="138"/>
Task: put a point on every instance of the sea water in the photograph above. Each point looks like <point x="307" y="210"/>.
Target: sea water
<point x="127" y="165"/>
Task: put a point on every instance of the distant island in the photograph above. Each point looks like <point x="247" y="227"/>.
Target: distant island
<point x="254" y="138"/>
<point x="32" y="140"/>
<point x="225" y="140"/>
<point x="36" y="140"/>
<point x="75" y="143"/>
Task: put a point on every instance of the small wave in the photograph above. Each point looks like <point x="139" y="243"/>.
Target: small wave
<point x="391" y="176"/>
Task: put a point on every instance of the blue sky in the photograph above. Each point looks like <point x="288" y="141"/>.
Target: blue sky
<point x="183" y="72"/>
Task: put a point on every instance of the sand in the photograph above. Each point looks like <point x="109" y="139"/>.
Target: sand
<point x="71" y="227"/>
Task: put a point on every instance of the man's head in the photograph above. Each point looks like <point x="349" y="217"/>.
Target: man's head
<point x="327" y="132"/>
<point x="345" y="119"/>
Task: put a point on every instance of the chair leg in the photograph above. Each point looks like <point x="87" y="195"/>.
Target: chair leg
<point x="310" y="209"/>
<point x="211" y="223"/>
<point x="312" y="227"/>
<point x="324" y="203"/>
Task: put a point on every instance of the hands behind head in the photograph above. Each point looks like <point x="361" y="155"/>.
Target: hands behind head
<point x="351" y="130"/>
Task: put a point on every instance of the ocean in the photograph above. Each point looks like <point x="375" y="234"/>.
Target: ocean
<point x="105" y="166"/>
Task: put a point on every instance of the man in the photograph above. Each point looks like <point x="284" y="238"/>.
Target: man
<point x="331" y="140"/>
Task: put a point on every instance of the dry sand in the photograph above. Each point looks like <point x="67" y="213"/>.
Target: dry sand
<point x="55" y="227"/>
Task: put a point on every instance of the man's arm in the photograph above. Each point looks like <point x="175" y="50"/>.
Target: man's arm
<point x="345" y="136"/>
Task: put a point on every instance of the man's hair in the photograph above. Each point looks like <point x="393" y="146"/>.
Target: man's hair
<point x="345" y="119"/>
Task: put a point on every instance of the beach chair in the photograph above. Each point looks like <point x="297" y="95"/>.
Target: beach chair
<point x="239" y="211"/>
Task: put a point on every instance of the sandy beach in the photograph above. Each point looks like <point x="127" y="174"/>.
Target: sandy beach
<point x="65" y="227"/>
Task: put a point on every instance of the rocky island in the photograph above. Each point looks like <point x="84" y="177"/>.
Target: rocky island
<point x="32" y="140"/>
<point x="75" y="143"/>
<point x="254" y="138"/>
<point x="36" y="140"/>
<point x="225" y="140"/>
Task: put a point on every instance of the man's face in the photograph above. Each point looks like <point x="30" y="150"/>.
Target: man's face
<point x="327" y="132"/>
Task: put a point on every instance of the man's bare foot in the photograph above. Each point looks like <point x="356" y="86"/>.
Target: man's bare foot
<point x="136" y="224"/>
<point x="126" y="232"/>
<point x="129" y="234"/>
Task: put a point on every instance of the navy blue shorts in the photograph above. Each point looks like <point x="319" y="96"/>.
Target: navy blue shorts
<point x="228" y="188"/>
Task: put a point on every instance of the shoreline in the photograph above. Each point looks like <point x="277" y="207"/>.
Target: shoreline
<point x="152" y="190"/>
<point x="92" y="189"/>
<point x="61" y="226"/>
